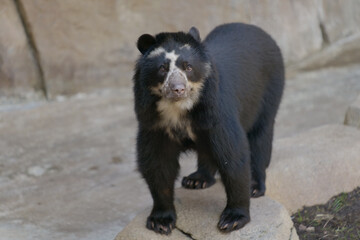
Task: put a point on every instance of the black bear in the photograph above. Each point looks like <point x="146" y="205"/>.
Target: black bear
<point x="218" y="97"/>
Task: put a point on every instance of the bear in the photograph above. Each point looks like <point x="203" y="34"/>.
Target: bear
<point x="217" y="97"/>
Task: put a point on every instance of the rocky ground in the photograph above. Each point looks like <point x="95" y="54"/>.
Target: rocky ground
<point x="67" y="167"/>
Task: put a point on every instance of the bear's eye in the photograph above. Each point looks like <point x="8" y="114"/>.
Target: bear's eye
<point x="162" y="69"/>
<point x="188" y="67"/>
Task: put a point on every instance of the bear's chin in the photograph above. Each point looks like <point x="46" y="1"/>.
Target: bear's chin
<point x="176" y="98"/>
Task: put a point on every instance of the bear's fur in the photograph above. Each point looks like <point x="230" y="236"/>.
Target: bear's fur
<point x="218" y="97"/>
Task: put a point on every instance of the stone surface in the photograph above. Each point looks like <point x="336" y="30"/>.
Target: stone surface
<point x="136" y="231"/>
<point x="352" y="117"/>
<point x="316" y="98"/>
<point x="345" y="51"/>
<point x="58" y="176"/>
<point x="93" y="45"/>
<point x="86" y="145"/>
<point x="81" y="45"/>
<point x="338" y="23"/>
<point x="18" y="74"/>
<point x="86" y="45"/>
<point x="339" y="20"/>
<point x="198" y="212"/>
<point x="311" y="167"/>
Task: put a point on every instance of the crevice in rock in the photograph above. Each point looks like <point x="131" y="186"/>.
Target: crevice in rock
<point x="185" y="233"/>
<point x="31" y="41"/>
<point x="324" y="35"/>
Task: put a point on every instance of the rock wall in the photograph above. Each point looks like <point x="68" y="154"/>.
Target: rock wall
<point x="87" y="45"/>
<point x="18" y="72"/>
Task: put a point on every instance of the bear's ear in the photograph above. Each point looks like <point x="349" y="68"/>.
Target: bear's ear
<point x="144" y="42"/>
<point x="195" y="33"/>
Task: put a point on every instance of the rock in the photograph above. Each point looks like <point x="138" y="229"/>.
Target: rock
<point x="136" y="231"/>
<point x="18" y="73"/>
<point x="36" y="171"/>
<point x="339" y="20"/>
<point x="85" y="50"/>
<point x="66" y="139"/>
<point x="352" y="117"/>
<point x="311" y="167"/>
<point x="320" y="217"/>
<point x="315" y="98"/>
<point x="302" y="227"/>
<point x="94" y="44"/>
<point x="310" y="229"/>
<point x="198" y="213"/>
<point x="344" y="51"/>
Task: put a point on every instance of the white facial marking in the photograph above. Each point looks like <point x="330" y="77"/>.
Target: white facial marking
<point x="173" y="69"/>
<point x="156" y="52"/>
<point x="172" y="57"/>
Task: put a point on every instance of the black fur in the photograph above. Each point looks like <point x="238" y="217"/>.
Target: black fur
<point x="233" y="119"/>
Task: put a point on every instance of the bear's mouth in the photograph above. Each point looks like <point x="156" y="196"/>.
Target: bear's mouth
<point x="176" y="98"/>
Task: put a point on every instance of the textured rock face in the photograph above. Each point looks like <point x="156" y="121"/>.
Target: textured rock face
<point x="91" y="44"/>
<point x="85" y="45"/>
<point x="199" y="210"/>
<point x="80" y="44"/>
<point x="352" y="117"/>
<point x="339" y="20"/>
<point x="311" y="167"/>
<point x="18" y="73"/>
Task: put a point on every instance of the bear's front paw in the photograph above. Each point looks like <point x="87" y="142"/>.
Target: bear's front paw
<point x="161" y="222"/>
<point x="198" y="180"/>
<point x="233" y="219"/>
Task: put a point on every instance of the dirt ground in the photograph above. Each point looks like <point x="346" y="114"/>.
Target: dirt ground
<point x="339" y="218"/>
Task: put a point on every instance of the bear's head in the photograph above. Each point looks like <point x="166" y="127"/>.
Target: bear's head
<point x="173" y="66"/>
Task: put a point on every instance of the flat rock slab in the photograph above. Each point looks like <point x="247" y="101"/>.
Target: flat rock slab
<point x="352" y="117"/>
<point x="312" y="167"/>
<point x="198" y="212"/>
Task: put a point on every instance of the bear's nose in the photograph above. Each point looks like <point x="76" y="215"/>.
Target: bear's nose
<point x="179" y="89"/>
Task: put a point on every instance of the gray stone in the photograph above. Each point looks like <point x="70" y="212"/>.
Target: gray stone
<point x="36" y="171"/>
<point x="310" y="229"/>
<point x="342" y="52"/>
<point x="18" y="74"/>
<point x="136" y="231"/>
<point x="352" y="117"/>
<point x="311" y="167"/>
<point x="316" y="98"/>
<point x="302" y="227"/>
<point x="84" y="51"/>
<point x="68" y="140"/>
<point x="71" y="136"/>
<point x="198" y="212"/>
<point x="339" y="20"/>
<point x="94" y="44"/>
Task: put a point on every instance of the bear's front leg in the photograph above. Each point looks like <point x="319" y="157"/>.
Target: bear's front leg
<point x="158" y="164"/>
<point x="231" y="152"/>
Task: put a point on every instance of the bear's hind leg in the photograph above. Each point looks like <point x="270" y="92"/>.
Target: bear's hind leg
<point x="260" y="140"/>
<point x="203" y="177"/>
